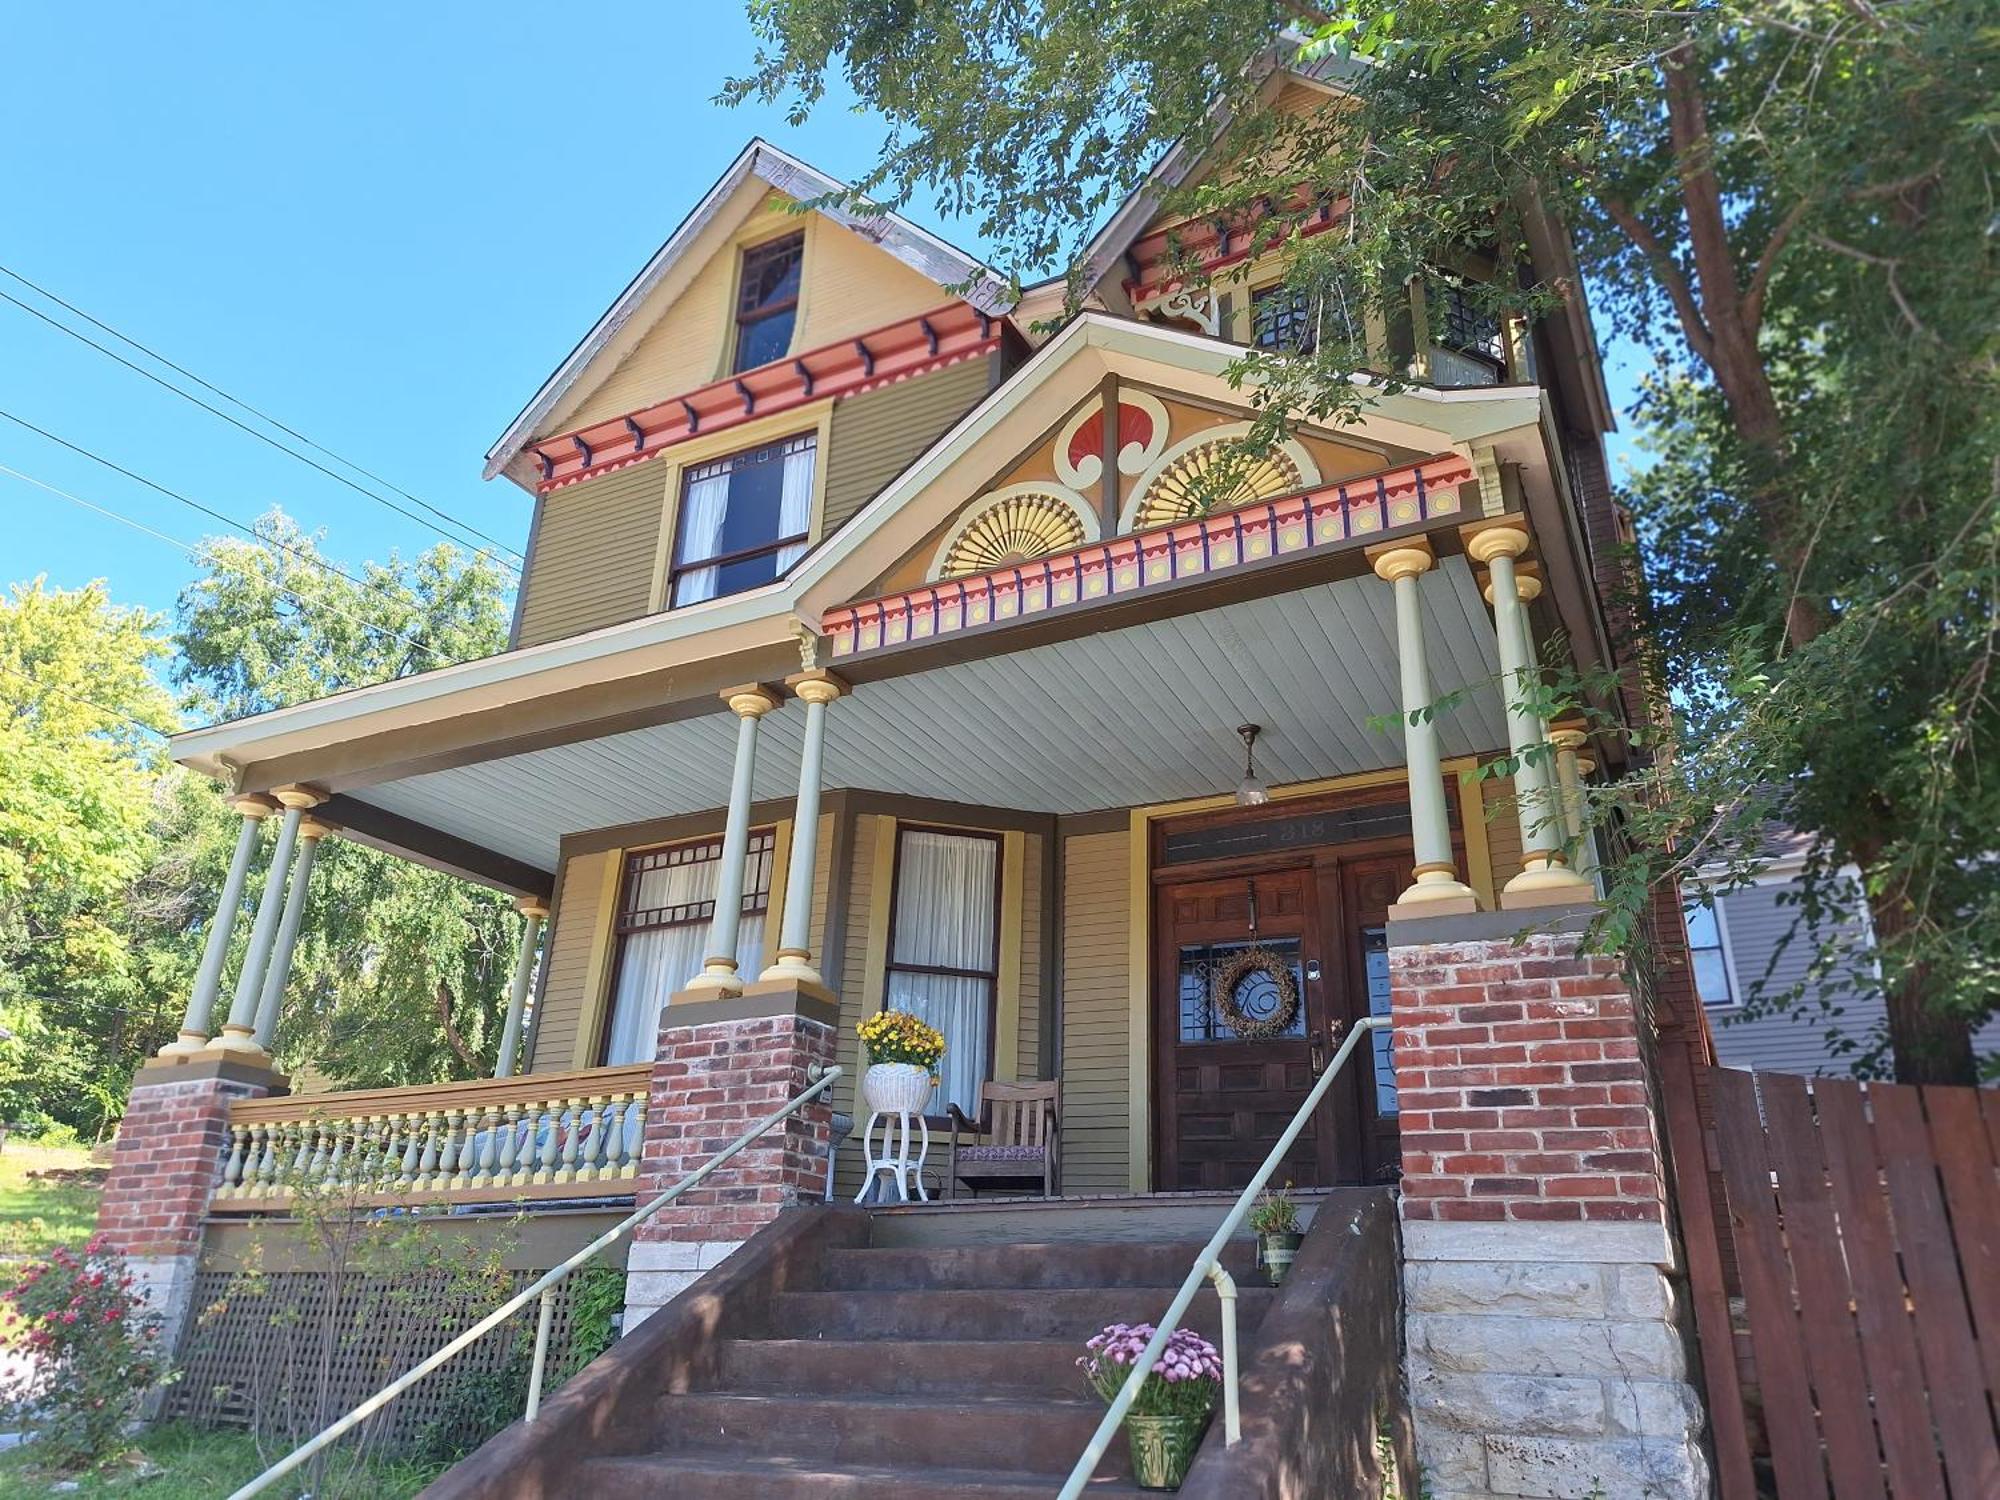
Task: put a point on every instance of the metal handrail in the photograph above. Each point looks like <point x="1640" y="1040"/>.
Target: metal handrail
<point x="1208" y="1267"/>
<point x="543" y="1287"/>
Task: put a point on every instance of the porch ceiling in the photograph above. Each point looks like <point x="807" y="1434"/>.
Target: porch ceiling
<point x="1143" y="714"/>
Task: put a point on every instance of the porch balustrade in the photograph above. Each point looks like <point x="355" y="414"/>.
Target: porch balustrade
<point x="561" y="1135"/>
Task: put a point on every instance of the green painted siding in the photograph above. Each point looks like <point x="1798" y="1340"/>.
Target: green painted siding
<point x="878" y="435"/>
<point x="594" y="553"/>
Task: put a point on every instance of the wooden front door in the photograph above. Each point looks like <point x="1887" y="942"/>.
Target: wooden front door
<point x="1229" y="1077"/>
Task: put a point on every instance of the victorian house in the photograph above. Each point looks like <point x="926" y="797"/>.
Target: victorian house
<point x="879" y="647"/>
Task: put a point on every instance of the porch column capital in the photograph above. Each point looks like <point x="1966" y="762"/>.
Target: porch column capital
<point x="818" y="685"/>
<point x="1527" y="583"/>
<point x="535" y="908"/>
<point x="299" y="795"/>
<point x="1569" y="737"/>
<point x="253" y="805"/>
<point x="752" y="700"/>
<point x="1506" y="536"/>
<point x="312" y="830"/>
<point x="1406" y="559"/>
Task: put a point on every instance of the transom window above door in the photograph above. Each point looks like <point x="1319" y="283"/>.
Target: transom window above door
<point x="665" y="905"/>
<point x="767" y="301"/>
<point x="743" y="520"/>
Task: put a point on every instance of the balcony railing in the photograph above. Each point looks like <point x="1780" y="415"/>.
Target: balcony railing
<point x="498" y="1140"/>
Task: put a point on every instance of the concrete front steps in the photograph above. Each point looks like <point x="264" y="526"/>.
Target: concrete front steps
<point x="937" y="1358"/>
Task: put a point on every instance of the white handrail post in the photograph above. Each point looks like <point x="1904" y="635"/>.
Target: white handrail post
<point x="1232" y="1406"/>
<point x="543" y="1319"/>
<point x="1211" y="1254"/>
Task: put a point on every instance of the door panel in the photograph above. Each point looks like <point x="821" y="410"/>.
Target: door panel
<point x="1224" y="1098"/>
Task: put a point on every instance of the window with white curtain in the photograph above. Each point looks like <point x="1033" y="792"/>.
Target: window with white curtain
<point x="944" y="950"/>
<point x="744" y="519"/>
<point x="664" y="911"/>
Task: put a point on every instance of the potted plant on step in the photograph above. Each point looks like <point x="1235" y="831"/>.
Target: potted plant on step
<point x="903" y="1054"/>
<point x="1167" y="1417"/>
<point x="1275" y="1220"/>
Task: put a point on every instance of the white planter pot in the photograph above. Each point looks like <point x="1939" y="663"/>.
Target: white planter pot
<point x="893" y="1088"/>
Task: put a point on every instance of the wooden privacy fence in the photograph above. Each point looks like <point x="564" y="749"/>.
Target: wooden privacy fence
<point x="1866" y="1229"/>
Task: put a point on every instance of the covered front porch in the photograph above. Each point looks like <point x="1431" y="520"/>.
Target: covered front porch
<point x="1039" y="832"/>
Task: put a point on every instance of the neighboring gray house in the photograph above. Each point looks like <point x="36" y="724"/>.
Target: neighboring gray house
<point x="1739" y="944"/>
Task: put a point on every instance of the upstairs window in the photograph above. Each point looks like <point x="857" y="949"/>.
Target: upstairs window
<point x="743" y="520"/>
<point x="1467" y="348"/>
<point x="1705" y="953"/>
<point x="767" y="300"/>
<point x="1281" y="320"/>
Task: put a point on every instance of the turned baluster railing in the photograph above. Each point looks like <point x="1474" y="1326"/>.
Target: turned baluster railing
<point x="557" y="1135"/>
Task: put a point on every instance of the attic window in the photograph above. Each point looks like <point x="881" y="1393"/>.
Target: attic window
<point x="744" y="520"/>
<point x="767" y="300"/>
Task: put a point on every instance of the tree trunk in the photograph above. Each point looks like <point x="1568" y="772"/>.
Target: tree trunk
<point x="1930" y="1045"/>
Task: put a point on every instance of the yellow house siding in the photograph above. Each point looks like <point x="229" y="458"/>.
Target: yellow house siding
<point x="1096" y="1064"/>
<point x="1503" y="830"/>
<point x="593" y="555"/>
<point x="1028" y="1052"/>
<point x="878" y="435"/>
<point x="579" y="918"/>
<point x="848" y="287"/>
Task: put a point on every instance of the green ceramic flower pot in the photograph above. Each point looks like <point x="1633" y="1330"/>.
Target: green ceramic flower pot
<point x="1163" y="1448"/>
<point x="1279" y="1251"/>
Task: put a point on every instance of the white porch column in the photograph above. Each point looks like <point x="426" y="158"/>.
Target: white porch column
<point x="1544" y="878"/>
<point x="718" y="972"/>
<point x="534" y="912"/>
<point x="816" y="688"/>
<point x="208" y="979"/>
<point x="278" y="972"/>
<point x="239" y="1031"/>
<point x="1571" y="768"/>
<point x="1435" y="888"/>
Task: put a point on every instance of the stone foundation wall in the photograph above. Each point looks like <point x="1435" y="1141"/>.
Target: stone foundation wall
<point x="1545" y="1357"/>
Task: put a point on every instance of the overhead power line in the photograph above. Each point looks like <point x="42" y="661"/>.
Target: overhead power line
<point x="192" y="551"/>
<point x="506" y="557"/>
<point x="116" y="713"/>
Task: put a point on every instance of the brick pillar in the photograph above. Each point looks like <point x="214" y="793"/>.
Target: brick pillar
<point x="164" y="1166"/>
<point x="1545" y="1357"/>
<point x="721" y="1065"/>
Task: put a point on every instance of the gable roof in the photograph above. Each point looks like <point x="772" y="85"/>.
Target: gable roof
<point x="913" y="245"/>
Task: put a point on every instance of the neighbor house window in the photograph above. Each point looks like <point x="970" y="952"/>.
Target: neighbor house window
<point x="1466" y="346"/>
<point x="664" y="908"/>
<point x="767" y="301"/>
<point x="944" y="950"/>
<point x="743" y="520"/>
<point x="1711" y="966"/>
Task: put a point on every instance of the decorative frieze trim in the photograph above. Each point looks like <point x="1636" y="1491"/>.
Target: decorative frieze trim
<point x="1249" y="536"/>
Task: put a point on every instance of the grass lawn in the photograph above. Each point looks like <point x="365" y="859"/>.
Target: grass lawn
<point x="193" y="1464"/>
<point x="48" y="1197"/>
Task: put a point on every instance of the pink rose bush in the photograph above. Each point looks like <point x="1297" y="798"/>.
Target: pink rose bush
<point x="93" y="1355"/>
<point x="1184" y="1381"/>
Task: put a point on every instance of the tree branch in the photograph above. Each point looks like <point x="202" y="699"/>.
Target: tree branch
<point x="1753" y="299"/>
<point x="1888" y="264"/>
<point x="1701" y="189"/>
<point x="1641" y="234"/>
<point x="466" y="1055"/>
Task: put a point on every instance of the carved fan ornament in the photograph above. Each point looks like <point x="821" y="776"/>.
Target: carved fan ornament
<point x="1015" y="528"/>
<point x="1213" y="476"/>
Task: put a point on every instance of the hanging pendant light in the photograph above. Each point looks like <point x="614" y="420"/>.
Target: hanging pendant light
<point x="1251" y="791"/>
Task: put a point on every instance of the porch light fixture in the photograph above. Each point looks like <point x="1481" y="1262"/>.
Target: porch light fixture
<point x="1251" y="791"/>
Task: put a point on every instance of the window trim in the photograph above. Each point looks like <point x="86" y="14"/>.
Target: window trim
<point x="683" y="476"/>
<point x="1271" y="288"/>
<point x="1722" y="949"/>
<point x="740" y="321"/>
<point x="992" y="977"/>
<point x="762" y="840"/>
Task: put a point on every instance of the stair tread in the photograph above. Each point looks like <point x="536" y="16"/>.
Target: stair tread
<point x="894" y="1401"/>
<point x="942" y="1476"/>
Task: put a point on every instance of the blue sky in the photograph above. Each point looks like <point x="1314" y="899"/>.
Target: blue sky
<point x="382" y="225"/>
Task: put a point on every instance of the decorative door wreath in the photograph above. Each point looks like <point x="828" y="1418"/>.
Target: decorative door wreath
<point x="1227" y="979"/>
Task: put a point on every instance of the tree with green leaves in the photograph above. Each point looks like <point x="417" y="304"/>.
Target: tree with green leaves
<point x="401" y="972"/>
<point x="1788" y="202"/>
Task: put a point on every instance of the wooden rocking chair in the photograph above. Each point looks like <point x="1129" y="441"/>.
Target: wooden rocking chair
<point x="1025" y="1145"/>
